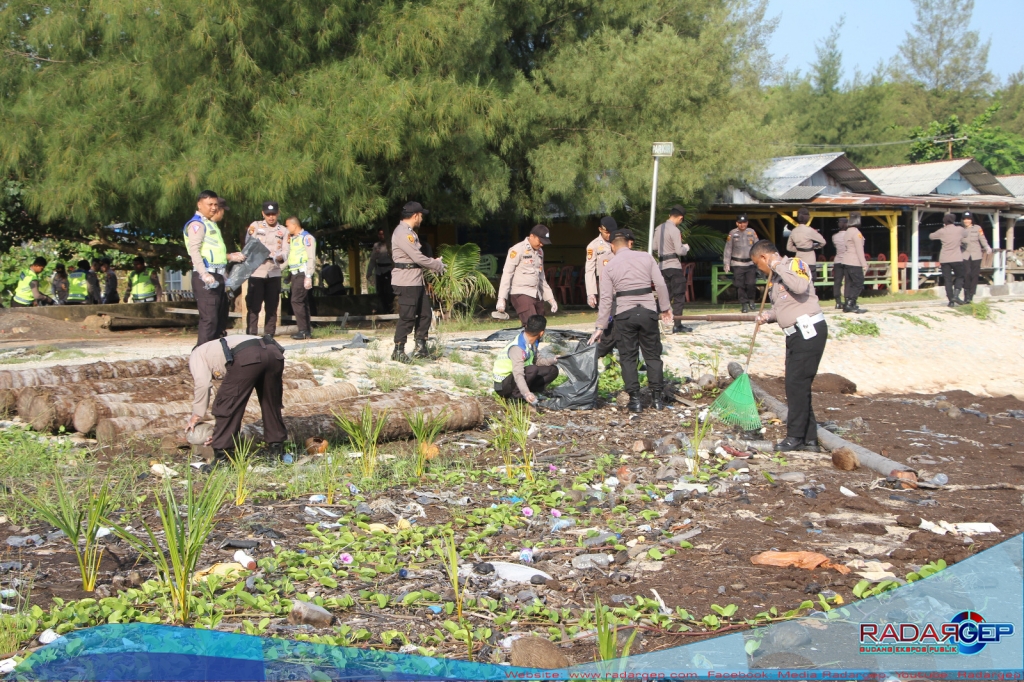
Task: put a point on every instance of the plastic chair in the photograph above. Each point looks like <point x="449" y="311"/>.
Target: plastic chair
<point x="579" y="289"/>
<point x="688" y="270"/>
<point x="902" y="258"/>
<point x="564" y="291"/>
<point x="882" y="256"/>
<point x="551" y="275"/>
<point x="489" y="265"/>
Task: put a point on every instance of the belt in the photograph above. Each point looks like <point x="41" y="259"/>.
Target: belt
<point x="742" y="260"/>
<point x="245" y="344"/>
<point x="805" y="250"/>
<point x="297" y="271"/>
<point x="815" y="319"/>
<point x="405" y="266"/>
<point x="216" y="269"/>
<point x="662" y="259"/>
<point x="634" y="292"/>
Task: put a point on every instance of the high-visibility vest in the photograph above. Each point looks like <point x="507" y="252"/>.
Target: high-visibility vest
<point x="141" y="284"/>
<point x="23" y="293"/>
<point x="503" y="363"/>
<point x="78" y="287"/>
<point x="297" y="256"/>
<point x="213" y="250"/>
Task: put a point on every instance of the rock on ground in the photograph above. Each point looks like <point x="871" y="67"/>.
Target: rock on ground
<point x="537" y="652"/>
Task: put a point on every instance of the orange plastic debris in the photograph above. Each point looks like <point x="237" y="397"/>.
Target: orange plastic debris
<point x="808" y="560"/>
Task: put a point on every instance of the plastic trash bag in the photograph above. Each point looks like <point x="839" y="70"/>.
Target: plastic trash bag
<point x="580" y="391"/>
<point x="255" y="255"/>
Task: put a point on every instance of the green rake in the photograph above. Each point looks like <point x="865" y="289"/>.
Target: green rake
<point x="736" y="404"/>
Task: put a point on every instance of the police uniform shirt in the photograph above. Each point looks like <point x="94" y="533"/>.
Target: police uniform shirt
<point x="405" y="249"/>
<point x="952" y="237"/>
<point x="853" y="252"/>
<point x="975" y="241"/>
<point x="803" y="240"/>
<point x="196" y="234"/>
<point x="599" y="252"/>
<point x="792" y="292"/>
<point x="207" y="362"/>
<point x="277" y="240"/>
<point x="380" y="260"/>
<point x="630" y="271"/>
<point x="839" y="241"/>
<point x="523" y="274"/>
<point x="737" y="246"/>
<point x="668" y="244"/>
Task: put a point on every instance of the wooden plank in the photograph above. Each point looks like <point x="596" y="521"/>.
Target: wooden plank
<point x="189" y="311"/>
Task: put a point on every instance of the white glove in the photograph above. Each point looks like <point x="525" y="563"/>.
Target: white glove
<point x="592" y="301"/>
<point x="308" y="284"/>
<point x="500" y="305"/>
<point x="554" y="306"/>
<point x="596" y="337"/>
<point x="441" y="267"/>
<point x="208" y="278"/>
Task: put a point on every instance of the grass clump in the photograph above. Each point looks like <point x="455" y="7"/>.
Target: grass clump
<point x="364" y="434"/>
<point x="44" y="352"/>
<point x="858" y="328"/>
<point x="242" y="461"/>
<point x="979" y="310"/>
<point x="913" y="319"/>
<point x="425" y="429"/>
<point x="464" y="380"/>
<point x="389" y="377"/>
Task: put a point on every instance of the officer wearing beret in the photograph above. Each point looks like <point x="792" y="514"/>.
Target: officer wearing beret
<point x="736" y="258"/>
<point x="522" y="279"/>
<point x="669" y="249"/>
<point x="414" y="311"/>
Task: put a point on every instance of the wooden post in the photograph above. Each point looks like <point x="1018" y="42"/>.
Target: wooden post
<point x="354" y="271"/>
<point x="915" y="249"/>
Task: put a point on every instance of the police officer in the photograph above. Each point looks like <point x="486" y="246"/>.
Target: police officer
<point x="669" y="249"/>
<point x="599" y="252"/>
<point x="736" y="258"/>
<point x="301" y="265"/>
<point x="854" y="263"/>
<point x="59" y="287"/>
<point x="519" y="374"/>
<point x="96" y="268"/>
<point x="838" y="266"/>
<point x="951" y="258"/>
<point x="975" y="242"/>
<point x="378" y="271"/>
<point x="79" y="284"/>
<point x="27" y="292"/>
<point x="109" y="281"/>
<point x="209" y="259"/>
<point x="627" y="281"/>
<point x="804" y="240"/>
<point x="243" y="362"/>
<point x="607" y="343"/>
<point x="407" y="280"/>
<point x="522" y="279"/>
<point x="795" y="307"/>
<point x="143" y="283"/>
<point x="265" y="281"/>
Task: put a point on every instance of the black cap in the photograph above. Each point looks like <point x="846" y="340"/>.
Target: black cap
<point x="609" y="223"/>
<point x="623" y="233"/>
<point x="677" y="210"/>
<point x="271" y="207"/>
<point x="967" y="214"/>
<point x="40" y="261"/>
<point x="414" y="207"/>
<point x="741" y="218"/>
<point x="542" y="232"/>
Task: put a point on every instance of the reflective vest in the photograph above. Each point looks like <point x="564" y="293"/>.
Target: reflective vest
<point x="297" y="256"/>
<point x="23" y="293"/>
<point x="503" y="363"/>
<point x="78" y="287"/>
<point x="141" y="284"/>
<point x="213" y="250"/>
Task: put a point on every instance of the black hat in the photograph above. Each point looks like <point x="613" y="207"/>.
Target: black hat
<point x="741" y="218"/>
<point x="843" y="223"/>
<point x="677" y="210"/>
<point x="854" y="219"/>
<point x="949" y="219"/>
<point x="40" y="261"/>
<point x="967" y="214"/>
<point x="609" y="223"/>
<point x="414" y="207"/>
<point x="271" y="207"/>
<point x="623" y="233"/>
<point x="803" y="216"/>
<point x="542" y="232"/>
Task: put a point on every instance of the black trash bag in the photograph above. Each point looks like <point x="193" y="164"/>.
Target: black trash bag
<point x="255" y="255"/>
<point x="580" y="391"/>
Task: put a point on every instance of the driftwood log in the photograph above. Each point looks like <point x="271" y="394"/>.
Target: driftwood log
<point x="65" y="374"/>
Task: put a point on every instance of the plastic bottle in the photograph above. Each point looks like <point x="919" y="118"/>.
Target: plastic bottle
<point x="940" y="479"/>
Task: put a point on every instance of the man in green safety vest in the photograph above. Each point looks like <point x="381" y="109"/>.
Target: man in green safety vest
<point x="301" y="265"/>
<point x="210" y="259"/>
<point x="143" y="283"/>
<point x="78" y="284"/>
<point x="27" y="292"/>
<point x="518" y="373"/>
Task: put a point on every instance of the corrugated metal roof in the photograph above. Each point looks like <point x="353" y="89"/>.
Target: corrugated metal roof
<point x="1014" y="183"/>
<point x="784" y="173"/>
<point x="920" y="179"/>
<point x="801" y="193"/>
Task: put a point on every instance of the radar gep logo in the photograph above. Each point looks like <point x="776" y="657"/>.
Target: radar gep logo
<point x="966" y="633"/>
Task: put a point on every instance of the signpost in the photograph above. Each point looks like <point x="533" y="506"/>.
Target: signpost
<point x="659" y="150"/>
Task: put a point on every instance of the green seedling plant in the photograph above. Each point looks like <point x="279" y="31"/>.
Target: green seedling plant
<point x="80" y="517"/>
<point x="364" y="434"/>
<point x="929" y="569"/>
<point x="447" y="550"/>
<point x="186" y="527"/>
<point x="865" y="588"/>
<point x="502" y="444"/>
<point x="241" y="462"/>
<point x="425" y="429"/>
<point x="608" y="634"/>
<point x="517" y="421"/>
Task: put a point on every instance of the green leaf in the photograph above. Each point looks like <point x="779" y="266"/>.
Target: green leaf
<point x="655" y="554"/>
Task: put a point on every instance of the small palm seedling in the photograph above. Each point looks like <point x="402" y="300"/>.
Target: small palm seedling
<point x="425" y="429"/>
<point x="608" y="634"/>
<point x="329" y="472"/>
<point x="364" y="434"/>
<point x="517" y="421"/>
<point x="80" y="519"/>
<point x="241" y="461"/>
<point x="502" y="444"/>
<point x="447" y="549"/>
<point x="186" y="527"/>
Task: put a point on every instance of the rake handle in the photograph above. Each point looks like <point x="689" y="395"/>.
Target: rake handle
<point x="764" y="297"/>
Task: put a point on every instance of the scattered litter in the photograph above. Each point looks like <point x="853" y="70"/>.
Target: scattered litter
<point x="8" y="665"/>
<point x="585" y="561"/>
<point x="872" y="570"/>
<point x="807" y="560"/>
<point x="513" y="573"/>
<point x="8" y="594"/>
<point x="380" y="528"/>
<point x="690" y="487"/>
<point x="792" y="477"/>
<point x="357" y="341"/>
<point x="304" y="613"/>
<point x="970" y="528"/>
<point x="223" y="570"/>
<point x="446" y="497"/>
<point x="317" y="499"/>
<point x="10" y="566"/>
<point x="665" y="611"/>
<point x="562" y="524"/>
<point x="47" y="636"/>
<point x="24" y="541"/>
<point x="921" y="503"/>
<point x="161" y="470"/>
<point x="314" y="511"/>
<point x="601" y="539"/>
<point x="847" y="492"/>
<point x="234" y="543"/>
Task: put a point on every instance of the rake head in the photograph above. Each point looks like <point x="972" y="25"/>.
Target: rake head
<point x="736" y="405"/>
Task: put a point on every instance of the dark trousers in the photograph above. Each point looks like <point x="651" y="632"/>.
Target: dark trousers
<point x="260" y="367"/>
<point x="413" y="314"/>
<point x="607" y="343"/>
<point x="854" y="275"/>
<point x="213" y="308"/>
<point x="526" y="306"/>
<point x="262" y="291"/>
<point x="676" y="283"/>
<point x="972" y="272"/>
<point x="385" y="293"/>
<point x="802" y="359"/>
<point x="638" y="330"/>
<point x="838" y="274"/>
<point x="300" y="302"/>
<point x="953" y="277"/>
<point x="745" y="280"/>
<point x="537" y="379"/>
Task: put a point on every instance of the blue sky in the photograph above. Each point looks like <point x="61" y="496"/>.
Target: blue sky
<point x="875" y="28"/>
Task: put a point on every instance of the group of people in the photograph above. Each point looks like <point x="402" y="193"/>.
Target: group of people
<point x="90" y="283"/>
<point x="960" y="258"/>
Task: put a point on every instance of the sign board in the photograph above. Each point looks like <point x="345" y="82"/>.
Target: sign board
<point x="664" y="149"/>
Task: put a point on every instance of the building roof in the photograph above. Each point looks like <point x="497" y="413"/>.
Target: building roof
<point x="785" y="174"/>
<point x="1014" y="183"/>
<point x="920" y="179"/>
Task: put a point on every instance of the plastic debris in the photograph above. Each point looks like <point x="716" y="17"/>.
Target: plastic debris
<point x="585" y="561"/>
<point x="526" y="555"/>
<point x="806" y="560"/>
<point x="47" y="636"/>
<point x="601" y="539"/>
<point x="162" y="470"/>
<point x="872" y="570"/>
<point x="224" y="570"/>
<point x="24" y="541"/>
<point x="847" y="492"/>
<point x="7" y="665"/>
<point x="562" y="524"/>
<point x="304" y="613"/>
<point x="317" y="499"/>
<point x="513" y="573"/>
<point x="8" y="594"/>
<point x="243" y="558"/>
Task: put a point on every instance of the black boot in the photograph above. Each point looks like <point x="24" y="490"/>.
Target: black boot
<point x="220" y="457"/>
<point x="677" y="328"/>
<point x="789" y="443"/>
<point x="956" y="297"/>
<point x="273" y="451"/>
<point x="839" y="305"/>
<point x="852" y="307"/>
<point x="810" y="446"/>
<point x="745" y="308"/>
<point x="421" y="349"/>
<point x="302" y="336"/>
<point x="657" y="402"/>
<point x="399" y="354"/>
<point x="634" y="403"/>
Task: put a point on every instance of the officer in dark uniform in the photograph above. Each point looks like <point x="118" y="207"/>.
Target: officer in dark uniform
<point x="736" y="258"/>
<point x="414" y="313"/>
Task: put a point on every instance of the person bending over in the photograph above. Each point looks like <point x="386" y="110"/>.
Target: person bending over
<point x="518" y="373"/>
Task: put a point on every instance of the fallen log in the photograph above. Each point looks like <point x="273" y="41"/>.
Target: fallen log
<point x="8" y="401"/>
<point x="124" y="429"/>
<point x="64" y="374"/>
<point x="826" y="439"/>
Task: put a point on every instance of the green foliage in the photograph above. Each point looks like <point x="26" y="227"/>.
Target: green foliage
<point x="865" y="588"/>
<point x="242" y="461"/>
<point x="979" y="310"/>
<point x="913" y="319"/>
<point x="426" y="427"/>
<point x="16" y="258"/>
<point x="364" y="435"/>
<point x="462" y="282"/>
<point x="1000" y="152"/>
<point x="858" y="328"/>
<point x="608" y="634"/>
<point x="388" y="377"/>
<point x="929" y="569"/>
<point x="932" y="55"/>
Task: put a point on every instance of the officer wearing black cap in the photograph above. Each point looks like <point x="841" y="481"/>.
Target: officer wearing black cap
<point x="522" y="279"/>
<point x="265" y="281"/>
<point x="669" y="249"/>
<point x="736" y="258"/>
<point x="599" y="252"/>
<point x="407" y="281"/>
<point x="974" y="243"/>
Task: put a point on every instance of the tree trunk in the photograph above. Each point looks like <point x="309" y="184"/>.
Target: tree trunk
<point x="122" y="429"/>
<point x="8" y="401"/>
<point x="65" y="374"/>
<point x="49" y="412"/>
